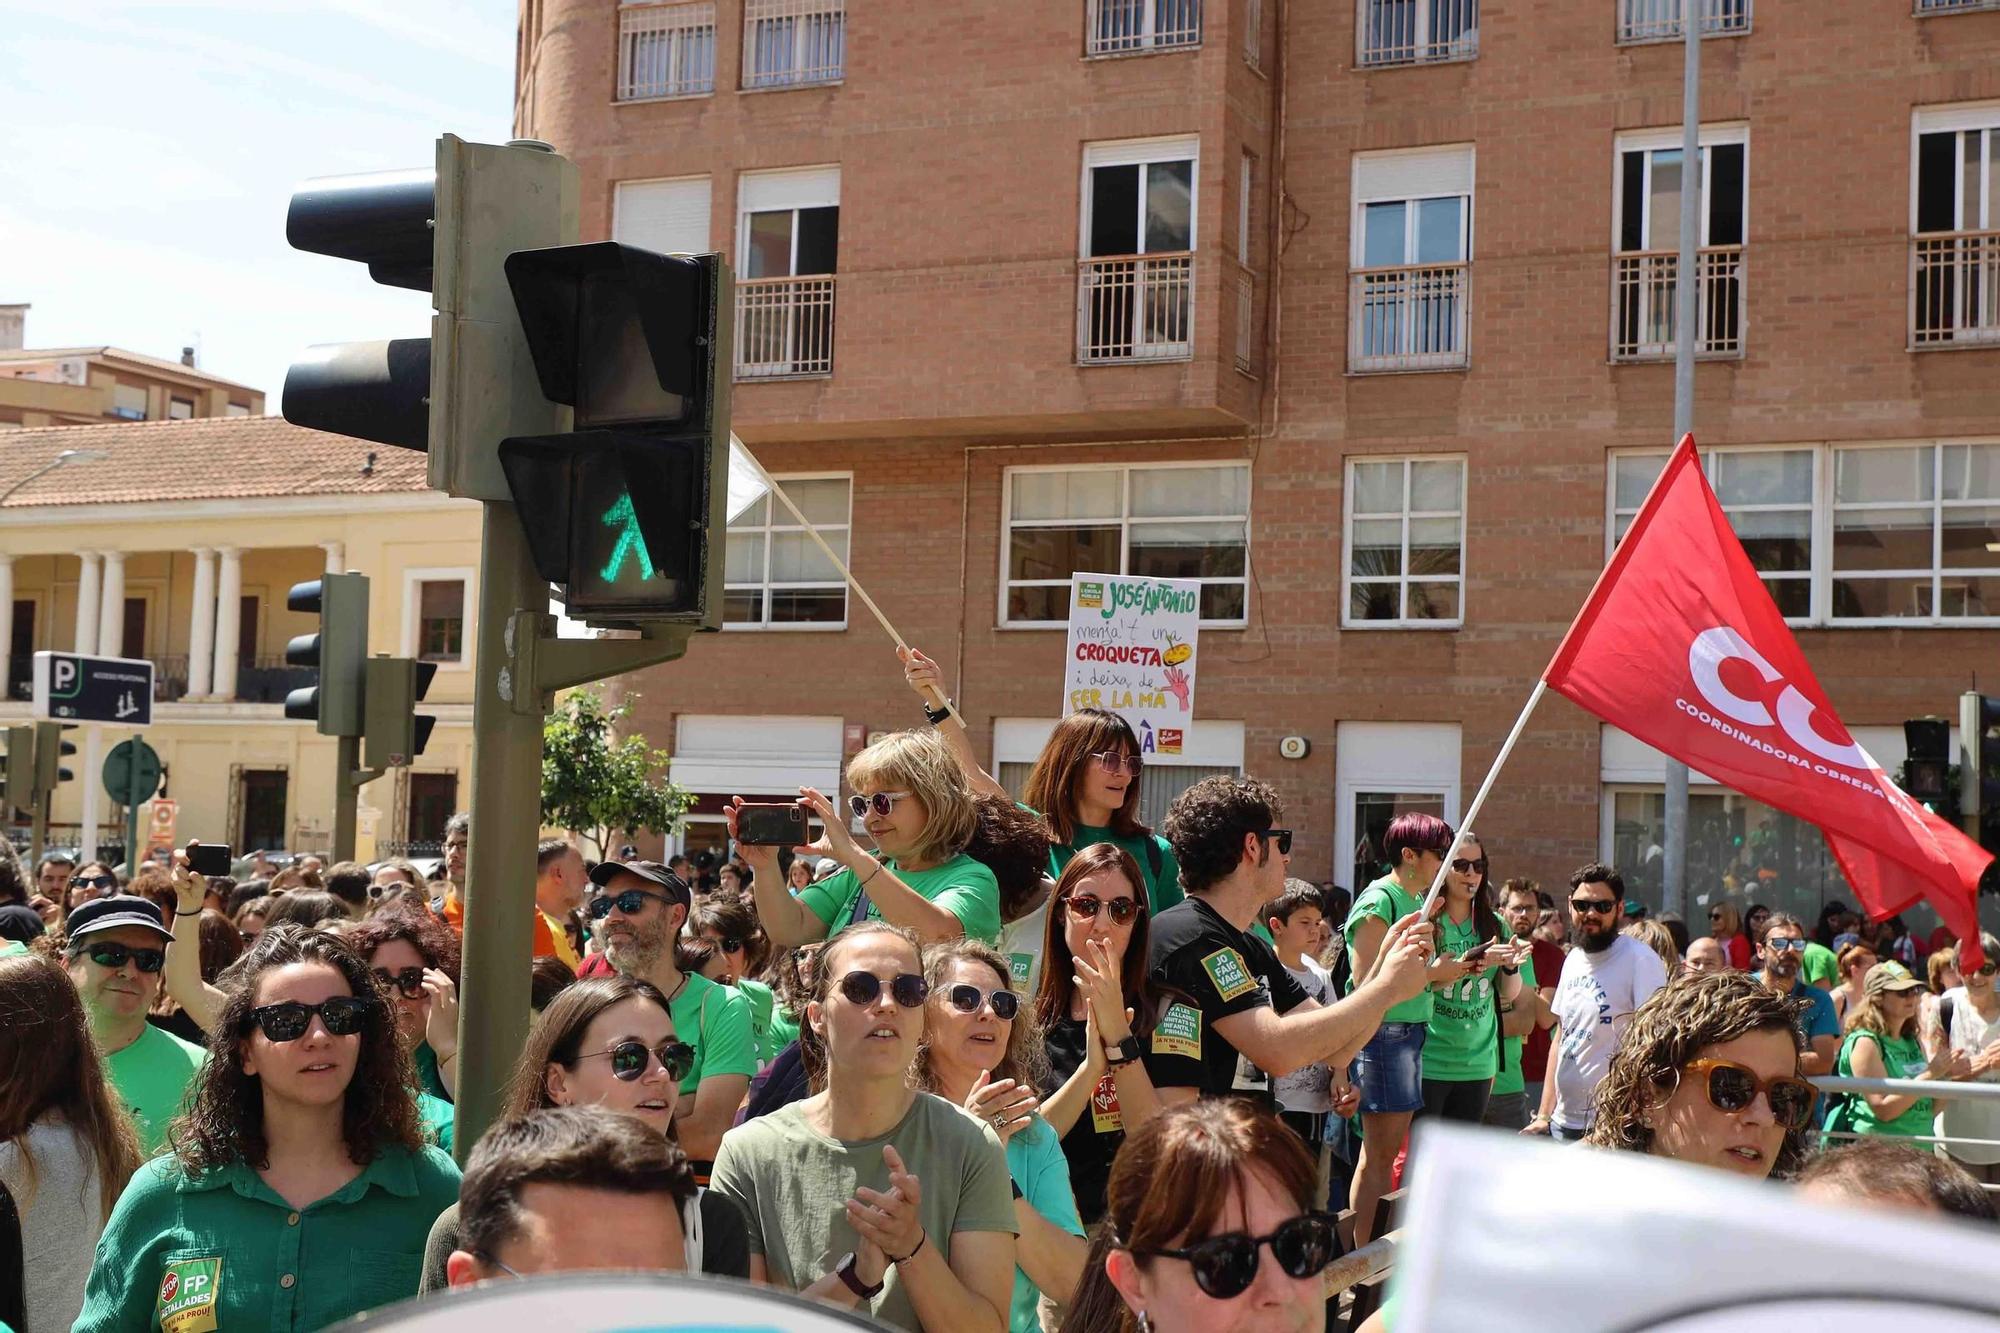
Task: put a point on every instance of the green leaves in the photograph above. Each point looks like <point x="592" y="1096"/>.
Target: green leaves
<point x="597" y="784"/>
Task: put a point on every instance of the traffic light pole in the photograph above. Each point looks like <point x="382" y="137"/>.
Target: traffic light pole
<point x="349" y="779"/>
<point x="38" y="838"/>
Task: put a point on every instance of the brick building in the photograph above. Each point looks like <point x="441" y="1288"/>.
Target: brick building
<point x="1360" y="312"/>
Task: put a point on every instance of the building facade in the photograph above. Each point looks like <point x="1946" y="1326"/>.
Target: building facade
<point x="178" y="542"/>
<point x="81" y="386"/>
<point x="1361" y="313"/>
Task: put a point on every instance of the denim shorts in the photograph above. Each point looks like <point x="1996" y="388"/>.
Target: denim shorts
<point x="1391" y="1069"/>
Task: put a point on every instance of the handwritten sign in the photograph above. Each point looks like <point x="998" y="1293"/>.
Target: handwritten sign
<point x="1132" y="650"/>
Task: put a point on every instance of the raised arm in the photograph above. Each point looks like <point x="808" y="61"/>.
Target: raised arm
<point x="927" y="679"/>
<point x="182" y="973"/>
<point x="1283" y="1044"/>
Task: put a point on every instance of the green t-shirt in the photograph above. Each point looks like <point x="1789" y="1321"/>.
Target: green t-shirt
<point x="224" y="1251"/>
<point x="763" y="1009"/>
<point x="152" y="1076"/>
<point x="1386" y="900"/>
<point x="1821" y="967"/>
<point x="428" y="1077"/>
<point x="962" y="886"/>
<point x="1163" y="889"/>
<point x="1035" y="1159"/>
<point x="1903" y="1058"/>
<point x="715" y="1020"/>
<point x="1463" y="1044"/>
<point x="1509" y="1077"/>
<point x="792" y="1184"/>
<point x="784" y="1028"/>
<point x="438" y="1118"/>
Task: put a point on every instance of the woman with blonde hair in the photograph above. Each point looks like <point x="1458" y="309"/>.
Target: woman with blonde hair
<point x="1882" y="1042"/>
<point x="912" y="797"/>
<point x="1659" y="939"/>
<point x="1725" y="923"/>
<point x="1853" y="960"/>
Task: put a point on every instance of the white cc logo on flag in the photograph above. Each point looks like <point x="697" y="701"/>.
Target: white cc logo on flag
<point x="1711" y="648"/>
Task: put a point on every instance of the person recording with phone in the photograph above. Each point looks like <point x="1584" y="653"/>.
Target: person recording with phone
<point x="1462" y="1043"/>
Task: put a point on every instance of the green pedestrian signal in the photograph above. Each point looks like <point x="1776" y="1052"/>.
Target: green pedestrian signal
<point x="631" y="542"/>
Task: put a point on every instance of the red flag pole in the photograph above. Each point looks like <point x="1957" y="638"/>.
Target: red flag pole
<point x="1479" y="799"/>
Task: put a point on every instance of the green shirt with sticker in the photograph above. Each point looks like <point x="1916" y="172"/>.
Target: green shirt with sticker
<point x="1463" y="1043"/>
<point x="1386" y="901"/>
<point x="962" y="886"/>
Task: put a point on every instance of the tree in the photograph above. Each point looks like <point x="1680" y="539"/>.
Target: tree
<point x="595" y="784"/>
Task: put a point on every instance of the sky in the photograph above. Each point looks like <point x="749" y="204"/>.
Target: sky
<point x="153" y="147"/>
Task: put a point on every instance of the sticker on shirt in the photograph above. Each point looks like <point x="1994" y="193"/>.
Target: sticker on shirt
<point x="1231" y="975"/>
<point x="1018" y="967"/>
<point x="188" y="1294"/>
<point x="1105" y="1115"/>
<point x="1179" y="1032"/>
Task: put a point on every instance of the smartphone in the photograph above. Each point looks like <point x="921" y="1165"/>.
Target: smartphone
<point x="1477" y="951"/>
<point x="210" y="858"/>
<point x="771" y="825"/>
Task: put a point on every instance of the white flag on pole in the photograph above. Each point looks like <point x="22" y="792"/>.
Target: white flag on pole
<point x="748" y="482"/>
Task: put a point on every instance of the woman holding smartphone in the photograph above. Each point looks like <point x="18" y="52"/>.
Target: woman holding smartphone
<point x="1462" y="1045"/>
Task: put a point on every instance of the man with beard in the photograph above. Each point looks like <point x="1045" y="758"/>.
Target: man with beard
<point x="642" y="906"/>
<point x="1605" y="978"/>
<point x="1784" y="952"/>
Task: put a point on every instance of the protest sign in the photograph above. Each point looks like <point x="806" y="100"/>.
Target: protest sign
<point x="1132" y="650"/>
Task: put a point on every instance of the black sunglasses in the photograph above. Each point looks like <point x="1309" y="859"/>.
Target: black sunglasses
<point x="864" y="988"/>
<point x="967" y="999"/>
<point x="1284" y="839"/>
<point x="288" y="1021"/>
<point x="1464" y="866"/>
<point x="94" y="881"/>
<point x="410" y="980"/>
<point x="114" y="955"/>
<point x="1593" y="906"/>
<point x="631" y="1059"/>
<point x="1086" y="906"/>
<point x="628" y="901"/>
<point x="1224" y="1266"/>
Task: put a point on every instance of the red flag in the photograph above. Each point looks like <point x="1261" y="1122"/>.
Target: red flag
<point x="1681" y="645"/>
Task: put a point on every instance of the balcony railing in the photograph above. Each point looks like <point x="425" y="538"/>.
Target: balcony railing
<point x="1416" y="32"/>
<point x="1643" y="287"/>
<point x="1925" y="7"/>
<point x="1660" y="20"/>
<point x="1412" y="317"/>
<point x="666" y="50"/>
<point x="1955" y="289"/>
<point x="787" y="43"/>
<point x="1135" y="308"/>
<point x="1119" y="27"/>
<point x="1246" y="324"/>
<point x="784" y="327"/>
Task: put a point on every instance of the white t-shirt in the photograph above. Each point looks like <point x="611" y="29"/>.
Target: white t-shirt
<point x="1962" y="1117"/>
<point x="1594" y="1003"/>
<point x="1309" y="1090"/>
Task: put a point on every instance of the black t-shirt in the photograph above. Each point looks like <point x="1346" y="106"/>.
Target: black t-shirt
<point x="1225" y="971"/>
<point x="1095" y="1137"/>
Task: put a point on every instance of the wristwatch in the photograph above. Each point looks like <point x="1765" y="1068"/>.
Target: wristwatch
<point x="1510" y="971"/>
<point x="854" y="1282"/>
<point x="1122" y="1053"/>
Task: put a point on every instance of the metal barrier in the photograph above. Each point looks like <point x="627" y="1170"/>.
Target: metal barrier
<point x="1359" y="1265"/>
<point x="1912" y="1087"/>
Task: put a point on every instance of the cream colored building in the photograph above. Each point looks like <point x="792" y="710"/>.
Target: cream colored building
<point x="178" y="541"/>
<point x="75" y="386"/>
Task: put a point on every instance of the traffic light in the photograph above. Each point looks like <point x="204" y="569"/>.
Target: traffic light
<point x="338" y="649"/>
<point x="17" y="773"/>
<point x="396" y="732"/>
<point x="50" y="750"/>
<point x="1927" y="764"/>
<point x="1979" y="775"/>
<point x="627" y="511"/>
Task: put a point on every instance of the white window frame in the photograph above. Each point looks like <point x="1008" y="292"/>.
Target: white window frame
<point x="413" y="581"/>
<point x="1246" y="183"/>
<point x="810" y="191"/>
<point x="1125" y="523"/>
<point x="619" y="220"/>
<point x="1411" y="757"/>
<point x="1652" y="141"/>
<point x="1141" y="153"/>
<point x="1403" y="580"/>
<point x="772" y="525"/>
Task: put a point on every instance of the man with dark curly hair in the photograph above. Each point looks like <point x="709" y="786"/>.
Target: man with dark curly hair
<point x="1250" y="1020"/>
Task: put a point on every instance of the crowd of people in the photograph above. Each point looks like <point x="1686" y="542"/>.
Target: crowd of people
<point x="962" y="1062"/>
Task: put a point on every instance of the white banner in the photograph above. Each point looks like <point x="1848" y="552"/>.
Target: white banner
<point x="1131" y="650"/>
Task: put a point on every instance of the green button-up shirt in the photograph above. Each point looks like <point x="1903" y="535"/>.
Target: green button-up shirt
<point x="225" y="1252"/>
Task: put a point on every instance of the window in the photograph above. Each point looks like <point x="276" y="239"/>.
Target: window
<point x="1953" y="6"/>
<point x="1646" y="230"/>
<point x="1415" y="32"/>
<point x="1411" y="281"/>
<point x="1916" y="532"/>
<point x="665" y="50"/>
<point x="1175" y="522"/>
<point x="787" y="245"/>
<point x="1253" y="33"/>
<point x="1135" y="288"/>
<point x="1955" y="215"/>
<point x="775" y="576"/>
<point x="1120" y="27"/>
<point x="1767" y="855"/>
<point x="668" y="217"/>
<point x="236" y="410"/>
<point x="1660" y="20"/>
<point x="787" y="43"/>
<point x="180" y="409"/>
<point x="1768" y="496"/>
<point x="128" y="401"/>
<point x="441" y="620"/>
<point x="1405" y="538"/>
<point x="1385" y="769"/>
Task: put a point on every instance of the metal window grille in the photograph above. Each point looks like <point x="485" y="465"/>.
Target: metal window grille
<point x="1953" y="6"/>
<point x="791" y="42"/>
<point x="1660" y="20"/>
<point x="1410" y="317"/>
<point x="1135" y="308"/>
<point x="1644" y="286"/>
<point x="1246" y="325"/>
<point x="784" y="327"/>
<point x="1417" y="32"/>
<point x="666" y="51"/>
<point x="1114" y="27"/>
<point x="1955" y="289"/>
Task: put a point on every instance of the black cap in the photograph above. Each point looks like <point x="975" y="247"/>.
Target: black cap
<point x="101" y="914"/>
<point x="651" y="871"/>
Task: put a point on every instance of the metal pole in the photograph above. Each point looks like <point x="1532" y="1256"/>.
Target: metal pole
<point x="38" y="837"/>
<point x="1673" y="861"/>
<point x="93" y="768"/>
<point x="345" y="796"/>
<point x="132" y="799"/>
<point x="506" y="822"/>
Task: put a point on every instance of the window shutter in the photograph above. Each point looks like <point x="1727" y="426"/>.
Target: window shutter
<point x="801" y="187"/>
<point x="670" y="217"/>
<point x="1413" y="175"/>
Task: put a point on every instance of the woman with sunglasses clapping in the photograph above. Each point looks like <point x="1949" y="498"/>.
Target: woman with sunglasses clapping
<point x="911" y="796"/>
<point x="908" y="1190"/>
<point x="1119" y="1047"/>
<point x="1210" y="1226"/>
<point x="611" y="1042"/>
<point x="299" y="1189"/>
<point x="981" y="1051"/>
